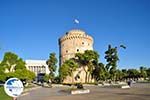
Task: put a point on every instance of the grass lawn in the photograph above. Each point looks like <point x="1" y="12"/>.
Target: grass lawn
<point x="3" y="95"/>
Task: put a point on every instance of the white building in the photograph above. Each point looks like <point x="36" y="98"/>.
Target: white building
<point x="37" y="66"/>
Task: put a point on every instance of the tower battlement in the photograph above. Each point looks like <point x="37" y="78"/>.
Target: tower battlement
<point x="74" y="41"/>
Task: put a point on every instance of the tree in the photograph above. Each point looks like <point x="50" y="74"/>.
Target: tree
<point x="63" y="71"/>
<point x="20" y="64"/>
<point x="119" y="75"/>
<point x="87" y="60"/>
<point x="46" y="78"/>
<point x="124" y="74"/>
<point x="24" y="74"/>
<point x="51" y="62"/>
<point x="148" y="72"/>
<point x="111" y="57"/>
<point x="2" y="74"/>
<point x="99" y="73"/>
<point x="9" y="61"/>
<point x="72" y="65"/>
<point x="13" y="66"/>
<point x="133" y="73"/>
<point x="68" y="67"/>
<point x="12" y="62"/>
<point x="143" y="73"/>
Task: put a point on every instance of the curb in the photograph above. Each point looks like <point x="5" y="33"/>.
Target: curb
<point x="25" y="92"/>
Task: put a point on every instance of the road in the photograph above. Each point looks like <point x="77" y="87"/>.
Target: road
<point x="136" y="92"/>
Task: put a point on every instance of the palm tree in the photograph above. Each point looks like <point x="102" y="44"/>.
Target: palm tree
<point x="99" y="73"/>
<point x="69" y="66"/>
<point x="111" y="57"/>
<point x="51" y="62"/>
<point x="82" y="63"/>
<point x="87" y="60"/>
<point x="72" y="67"/>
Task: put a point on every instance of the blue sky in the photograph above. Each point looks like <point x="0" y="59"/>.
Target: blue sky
<point x="31" y="28"/>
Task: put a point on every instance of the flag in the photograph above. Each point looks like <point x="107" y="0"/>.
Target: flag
<point x="76" y="21"/>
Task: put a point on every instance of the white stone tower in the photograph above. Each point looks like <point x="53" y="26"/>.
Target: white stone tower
<point x="74" y="41"/>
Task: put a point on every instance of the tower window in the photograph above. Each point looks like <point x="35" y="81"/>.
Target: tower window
<point x="77" y="50"/>
<point x="66" y="33"/>
<point x="66" y="51"/>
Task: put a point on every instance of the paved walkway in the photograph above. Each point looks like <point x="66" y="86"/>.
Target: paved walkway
<point x="136" y="92"/>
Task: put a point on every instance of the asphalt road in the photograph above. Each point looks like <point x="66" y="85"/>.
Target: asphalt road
<point x="139" y="91"/>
